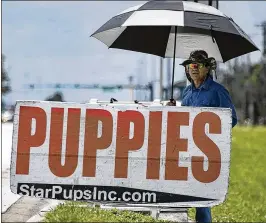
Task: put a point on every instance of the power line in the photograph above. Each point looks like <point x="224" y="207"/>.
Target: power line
<point x="79" y="86"/>
<point x="33" y="86"/>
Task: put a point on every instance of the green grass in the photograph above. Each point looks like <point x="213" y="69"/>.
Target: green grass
<point x="71" y="212"/>
<point x="246" y="198"/>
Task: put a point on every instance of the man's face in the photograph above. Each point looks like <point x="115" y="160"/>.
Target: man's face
<point x="197" y="71"/>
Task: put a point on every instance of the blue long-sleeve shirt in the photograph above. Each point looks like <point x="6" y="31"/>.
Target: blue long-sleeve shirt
<point x="209" y="94"/>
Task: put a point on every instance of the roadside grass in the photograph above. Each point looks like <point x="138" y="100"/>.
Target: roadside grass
<point x="73" y="212"/>
<point x="246" y="198"/>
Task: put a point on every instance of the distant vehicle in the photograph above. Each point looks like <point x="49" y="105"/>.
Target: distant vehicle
<point x="7" y="116"/>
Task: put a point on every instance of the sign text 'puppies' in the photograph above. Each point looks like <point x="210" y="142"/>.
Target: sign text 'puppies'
<point x="123" y="146"/>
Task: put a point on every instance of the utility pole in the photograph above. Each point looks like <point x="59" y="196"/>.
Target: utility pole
<point x="264" y="39"/>
<point x="161" y="78"/>
<point x="139" y="76"/>
<point x="150" y="87"/>
<point x="169" y="64"/>
<point x="130" y="80"/>
<point x="263" y="26"/>
<point x="264" y="63"/>
<point x="261" y="92"/>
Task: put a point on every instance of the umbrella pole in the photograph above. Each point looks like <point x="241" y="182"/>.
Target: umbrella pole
<point x="173" y="74"/>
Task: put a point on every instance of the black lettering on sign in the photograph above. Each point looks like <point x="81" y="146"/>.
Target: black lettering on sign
<point x="102" y="193"/>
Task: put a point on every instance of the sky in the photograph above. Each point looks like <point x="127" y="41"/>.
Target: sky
<point x="49" y="42"/>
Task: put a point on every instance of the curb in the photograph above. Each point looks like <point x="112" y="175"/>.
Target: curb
<point x="39" y="217"/>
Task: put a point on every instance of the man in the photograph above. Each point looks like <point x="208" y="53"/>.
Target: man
<point x="204" y="92"/>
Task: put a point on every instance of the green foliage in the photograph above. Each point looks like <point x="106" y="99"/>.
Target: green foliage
<point x="57" y="96"/>
<point x="72" y="212"/>
<point x="247" y="186"/>
<point x="255" y="73"/>
<point x="5" y="81"/>
<point x="246" y="84"/>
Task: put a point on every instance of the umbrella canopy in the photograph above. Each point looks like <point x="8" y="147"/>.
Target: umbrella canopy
<point x="150" y="28"/>
<point x="175" y="29"/>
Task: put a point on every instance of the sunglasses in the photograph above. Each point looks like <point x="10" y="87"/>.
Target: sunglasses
<point x="196" y="65"/>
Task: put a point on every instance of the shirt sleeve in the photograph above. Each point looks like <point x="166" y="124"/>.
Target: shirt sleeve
<point x="226" y="102"/>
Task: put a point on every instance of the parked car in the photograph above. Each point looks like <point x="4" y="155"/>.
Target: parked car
<point x="7" y="116"/>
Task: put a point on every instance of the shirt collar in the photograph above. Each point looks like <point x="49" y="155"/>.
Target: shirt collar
<point x="206" y="84"/>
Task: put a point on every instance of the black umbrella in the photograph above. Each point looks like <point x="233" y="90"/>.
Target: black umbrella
<point x="174" y="29"/>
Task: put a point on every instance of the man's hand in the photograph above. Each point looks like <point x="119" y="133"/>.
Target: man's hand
<point x="172" y="102"/>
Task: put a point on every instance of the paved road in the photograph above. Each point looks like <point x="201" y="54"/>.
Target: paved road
<point x="15" y="208"/>
<point x="8" y="198"/>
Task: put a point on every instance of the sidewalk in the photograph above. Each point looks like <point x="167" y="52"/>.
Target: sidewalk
<point x="23" y="209"/>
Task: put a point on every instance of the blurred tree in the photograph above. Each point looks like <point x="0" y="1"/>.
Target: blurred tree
<point x="57" y="96"/>
<point x="246" y="85"/>
<point x="5" y="81"/>
<point x="257" y="92"/>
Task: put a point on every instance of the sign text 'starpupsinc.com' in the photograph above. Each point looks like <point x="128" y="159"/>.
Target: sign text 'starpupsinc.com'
<point x="155" y="155"/>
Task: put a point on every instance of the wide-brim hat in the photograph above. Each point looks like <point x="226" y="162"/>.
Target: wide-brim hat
<point x="200" y="56"/>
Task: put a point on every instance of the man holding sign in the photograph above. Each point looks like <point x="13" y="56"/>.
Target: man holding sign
<point x="204" y="92"/>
